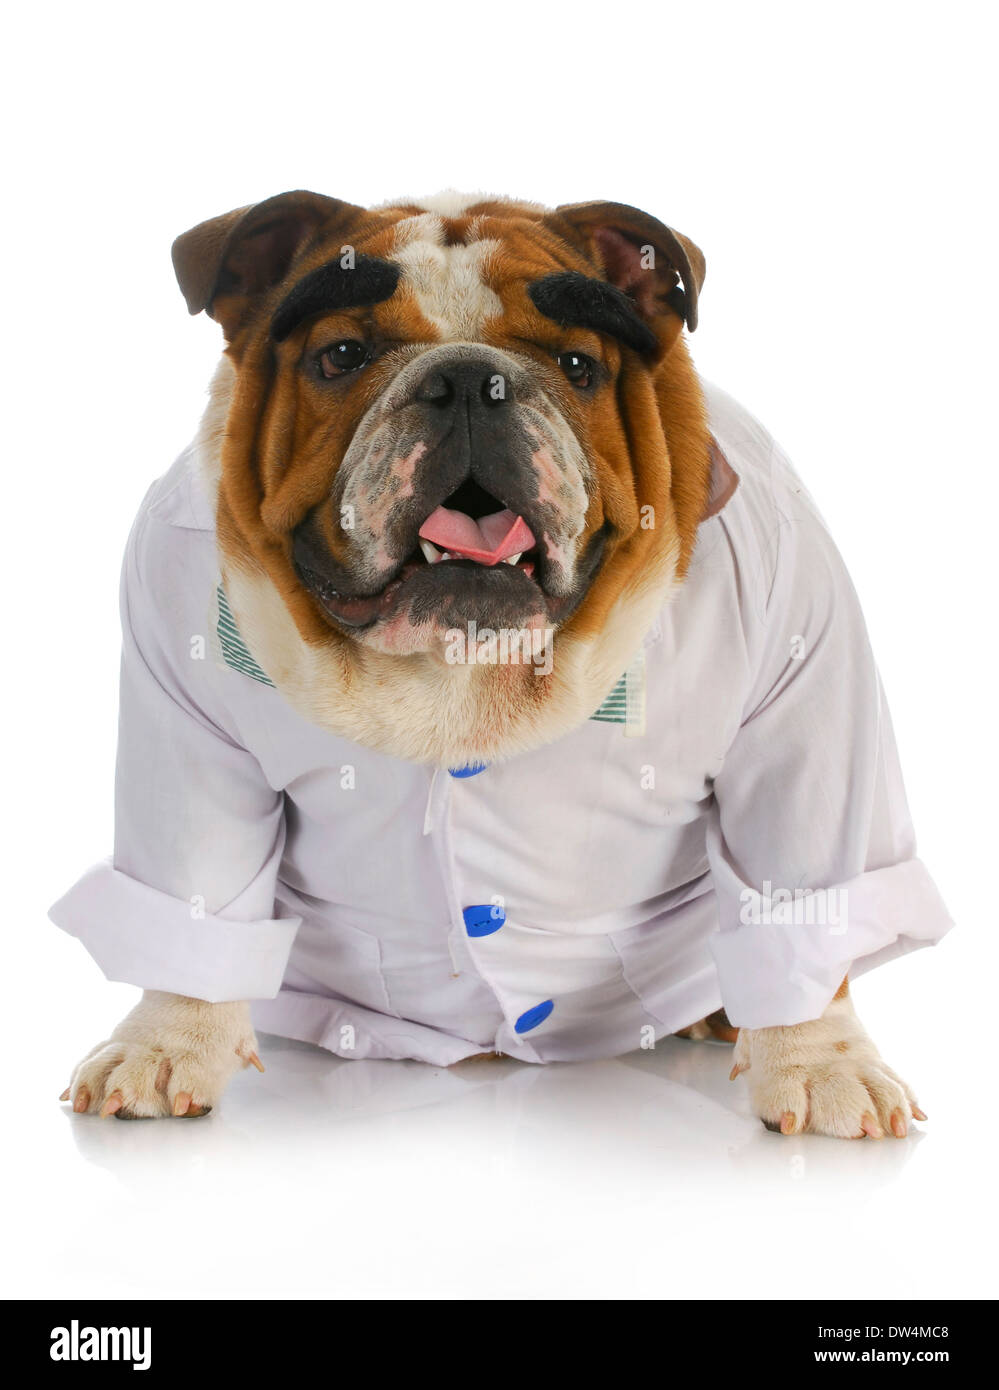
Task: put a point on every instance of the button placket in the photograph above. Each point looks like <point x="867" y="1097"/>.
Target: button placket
<point x="481" y="924"/>
<point x="437" y="824"/>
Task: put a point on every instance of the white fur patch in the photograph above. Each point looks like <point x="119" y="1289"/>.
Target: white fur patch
<point x="439" y="713"/>
<point x="448" y="282"/>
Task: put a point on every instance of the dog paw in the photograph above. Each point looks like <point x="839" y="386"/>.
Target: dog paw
<point x="170" y="1056"/>
<point x="824" y="1077"/>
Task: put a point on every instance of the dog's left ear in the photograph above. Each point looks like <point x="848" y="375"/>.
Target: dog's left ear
<point x="222" y="264"/>
<point x="658" y="268"/>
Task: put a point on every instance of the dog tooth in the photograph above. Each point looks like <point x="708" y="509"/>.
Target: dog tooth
<point x="430" y="551"/>
<point x="512" y="559"/>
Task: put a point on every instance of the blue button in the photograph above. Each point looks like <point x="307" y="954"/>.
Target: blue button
<point x="533" y="1017"/>
<point x="483" y="919"/>
<point x="470" y="770"/>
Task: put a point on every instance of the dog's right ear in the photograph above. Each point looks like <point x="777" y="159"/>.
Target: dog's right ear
<point x="222" y="264"/>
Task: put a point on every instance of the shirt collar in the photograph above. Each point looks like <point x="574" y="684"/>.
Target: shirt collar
<point x="183" y="496"/>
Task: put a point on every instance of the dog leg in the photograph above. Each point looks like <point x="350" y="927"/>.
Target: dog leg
<point x="170" y="1056"/>
<point x="824" y="1077"/>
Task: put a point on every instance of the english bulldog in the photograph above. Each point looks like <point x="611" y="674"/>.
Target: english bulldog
<point x="490" y="683"/>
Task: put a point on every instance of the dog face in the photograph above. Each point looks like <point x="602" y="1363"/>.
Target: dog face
<point x="475" y="413"/>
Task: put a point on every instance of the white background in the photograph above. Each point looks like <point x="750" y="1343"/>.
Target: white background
<point x="837" y="166"/>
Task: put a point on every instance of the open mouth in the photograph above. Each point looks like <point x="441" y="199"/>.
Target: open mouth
<point x="470" y="543"/>
<point x="471" y="525"/>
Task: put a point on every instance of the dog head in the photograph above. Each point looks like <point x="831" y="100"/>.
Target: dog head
<point x="467" y="415"/>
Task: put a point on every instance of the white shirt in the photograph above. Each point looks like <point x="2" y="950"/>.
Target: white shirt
<point x="576" y="901"/>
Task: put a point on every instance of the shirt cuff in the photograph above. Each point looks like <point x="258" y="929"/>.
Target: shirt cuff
<point x="786" y="960"/>
<point x="140" y="936"/>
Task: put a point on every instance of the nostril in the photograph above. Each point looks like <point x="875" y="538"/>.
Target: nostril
<point x="475" y="383"/>
<point x="435" y="389"/>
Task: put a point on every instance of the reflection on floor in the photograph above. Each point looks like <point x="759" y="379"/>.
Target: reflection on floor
<point x="673" y="1108"/>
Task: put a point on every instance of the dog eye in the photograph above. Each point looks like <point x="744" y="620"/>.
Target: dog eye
<point x="577" y="367"/>
<point x="348" y="355"/>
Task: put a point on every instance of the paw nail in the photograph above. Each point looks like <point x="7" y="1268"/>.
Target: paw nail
<point x="788" y="1122"/>
<point x="82" y="1100"/>
<point x="898" y="1126"/>
<point x="737" y="1071"/>
<point x="871" y="1127"/>
<point x="182" y="1103"/>
<point x="113" y="1103"/>
<point x="917" y="1114"/>
<point x="65" y="1094"/>
<point x="255" y="1061"/>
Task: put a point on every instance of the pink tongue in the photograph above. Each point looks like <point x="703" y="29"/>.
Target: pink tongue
<point x="488" y="540"/>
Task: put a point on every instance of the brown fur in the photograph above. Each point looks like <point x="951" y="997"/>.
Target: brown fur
<point x="648" y="440"/>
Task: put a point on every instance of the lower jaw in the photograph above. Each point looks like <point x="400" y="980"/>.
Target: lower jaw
<point x="411" y="615"/>
<point x="405" y="633"/>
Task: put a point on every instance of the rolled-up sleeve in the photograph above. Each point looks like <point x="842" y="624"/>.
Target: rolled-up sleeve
<point x="187" y="904"/>
<point x="810" y="841"/>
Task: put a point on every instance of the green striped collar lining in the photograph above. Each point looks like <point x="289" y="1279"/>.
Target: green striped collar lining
<point x="235" y="652"/>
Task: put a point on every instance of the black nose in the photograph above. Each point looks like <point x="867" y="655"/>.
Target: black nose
<point x="476" y="382"/>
